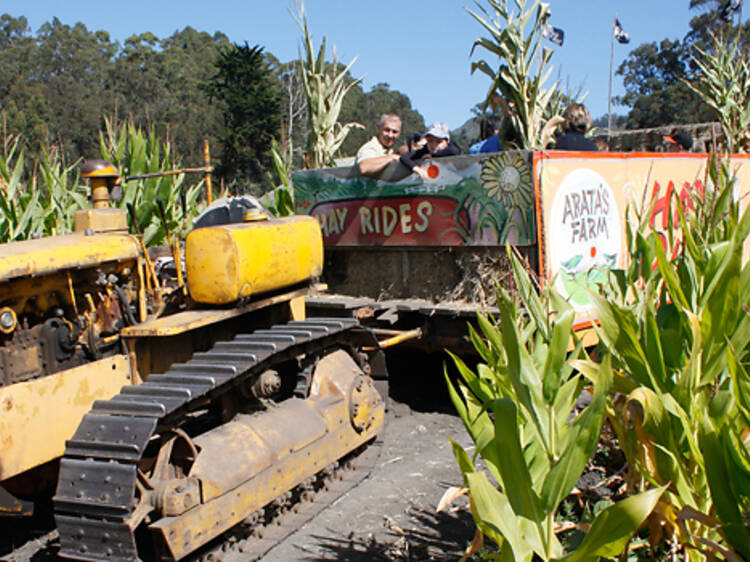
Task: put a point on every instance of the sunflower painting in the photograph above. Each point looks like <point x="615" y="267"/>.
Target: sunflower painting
<point x="507" y="179"/>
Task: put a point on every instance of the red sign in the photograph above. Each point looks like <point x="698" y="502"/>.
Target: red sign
<point x="392" y="221"/>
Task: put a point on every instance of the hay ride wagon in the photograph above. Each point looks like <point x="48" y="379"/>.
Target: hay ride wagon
<point x="417" y="259"/>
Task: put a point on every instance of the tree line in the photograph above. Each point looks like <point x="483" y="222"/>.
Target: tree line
<point x="58" y="84"/>
<point x="655" y="74"/>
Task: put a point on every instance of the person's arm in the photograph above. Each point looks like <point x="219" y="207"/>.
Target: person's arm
<point x="451" y="150"/>
<point x="409" y="159"/>
<point x="371" y="166"/>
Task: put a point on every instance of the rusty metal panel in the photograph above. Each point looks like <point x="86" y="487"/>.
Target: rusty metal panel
<point x="182" y="322"/>
<point x="58" y="253"/>
<point x="250" y="444"/>
<point x="36" y="417"/>
<point x="20" y="363"/>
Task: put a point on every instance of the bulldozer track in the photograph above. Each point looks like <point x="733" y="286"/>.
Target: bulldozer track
<point x="99" y="471"/>
<point x="252" y="541"/>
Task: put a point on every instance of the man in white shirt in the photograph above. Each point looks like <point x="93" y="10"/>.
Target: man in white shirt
<point x="379" y="151"/>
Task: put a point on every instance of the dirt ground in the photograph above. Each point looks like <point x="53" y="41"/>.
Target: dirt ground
<point x="391" y="515"/>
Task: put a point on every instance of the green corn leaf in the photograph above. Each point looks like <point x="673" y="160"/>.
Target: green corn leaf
<point x="668" y="274"/>
<point x="580" y="445"/>
<point x="619" y="331"/>
<point x="482" y="349"/>
<point x="515" y="474"/>
<point x="517" y="368"/>
<point x="556" y="355"/>
<point x="724" y="500"/>
<point x="614" y="526"/>
<point x="653" y="348"/>
<point x="462" y="458"/>
<point x="494" y="515"/>
<point x="740" y="383"/>
<point x="565" y="399"/>
<point x="738" y="464"/>
<point x="470" y="379"/>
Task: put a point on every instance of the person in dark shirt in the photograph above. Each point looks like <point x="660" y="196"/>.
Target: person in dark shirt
<point x="577" y="122"/>
<point x="678" y="142"/>
<point x="437" y="143"/>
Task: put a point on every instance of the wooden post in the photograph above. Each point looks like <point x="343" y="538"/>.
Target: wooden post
<point x="207" y="164"/>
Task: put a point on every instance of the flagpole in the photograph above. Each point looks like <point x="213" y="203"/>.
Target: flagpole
<point x="611" y="76"/>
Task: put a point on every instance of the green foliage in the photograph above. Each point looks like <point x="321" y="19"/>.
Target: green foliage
<point x="42" y="205"/>
<point x="59" y="81"/>
<point x="134" y="153"/>
<point x="325" y="88"/>
<point x="280" y="200"/>
<point x="519" y="408"/>
<point x="724" y="86"/>
<point x="243" y="86"/>
<point x="524" y="64"/>
<point x="679" y="332"/>
<point x="654" y="74"/>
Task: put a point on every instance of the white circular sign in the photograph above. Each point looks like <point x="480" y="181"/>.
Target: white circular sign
<point x="584" y="234"/>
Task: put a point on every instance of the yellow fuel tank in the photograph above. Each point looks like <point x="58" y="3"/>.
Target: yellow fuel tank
<point x="229" y="262"/>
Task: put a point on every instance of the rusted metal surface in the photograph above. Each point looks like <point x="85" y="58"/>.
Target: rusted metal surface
<point x="98" y="523"/>
<point x="396" y="339"/>
<point x="11" y="505"/>
<point x="36" y="417"/>
<point x="59" y="253"/>
<point x="189" y="320"/>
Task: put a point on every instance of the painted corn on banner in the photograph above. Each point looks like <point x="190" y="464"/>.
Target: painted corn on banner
<point x="485" y="200"/>
<point x="583" y="201"/>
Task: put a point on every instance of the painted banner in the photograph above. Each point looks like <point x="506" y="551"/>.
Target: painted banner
<point x="584" y="197"/>
<point x="574" y="202"/>
<point x="483" y="200"/>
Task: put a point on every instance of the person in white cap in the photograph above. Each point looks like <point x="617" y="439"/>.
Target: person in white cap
<point x="437" y="143"/>
<point x="379" y="151"/>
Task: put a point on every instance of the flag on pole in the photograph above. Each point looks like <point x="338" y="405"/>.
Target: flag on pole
<point x="620" y="34"/>
<point x="729" y="9"/>
<point x="554" y="34"/>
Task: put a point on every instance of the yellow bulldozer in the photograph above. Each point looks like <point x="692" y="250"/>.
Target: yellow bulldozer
<point x="164" y="400"/>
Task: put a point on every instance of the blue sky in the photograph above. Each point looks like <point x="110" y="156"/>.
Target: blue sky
<point x="420" y="48"/>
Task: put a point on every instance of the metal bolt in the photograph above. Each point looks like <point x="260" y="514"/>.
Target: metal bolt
<point x="6" y="320"/>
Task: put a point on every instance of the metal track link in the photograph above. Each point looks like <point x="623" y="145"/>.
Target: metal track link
<point x="254" y="539"/>
<point x="98" y="473"/>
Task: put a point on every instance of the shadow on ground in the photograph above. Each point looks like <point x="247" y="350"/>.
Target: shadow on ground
<point x="417" y="379"/>
<point x="432" y="536"/>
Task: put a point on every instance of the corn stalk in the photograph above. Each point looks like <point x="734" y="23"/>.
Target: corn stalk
<point x="517" y="83"/>
<point x="519" y="408"/>
<point x="133" y="152"/>
<point x="724" y="85"/>
<point x="280" y="201"/>
<point x="42" y="204"/>
<point x="679" y="334"/>
<point x="325" y="88"/>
